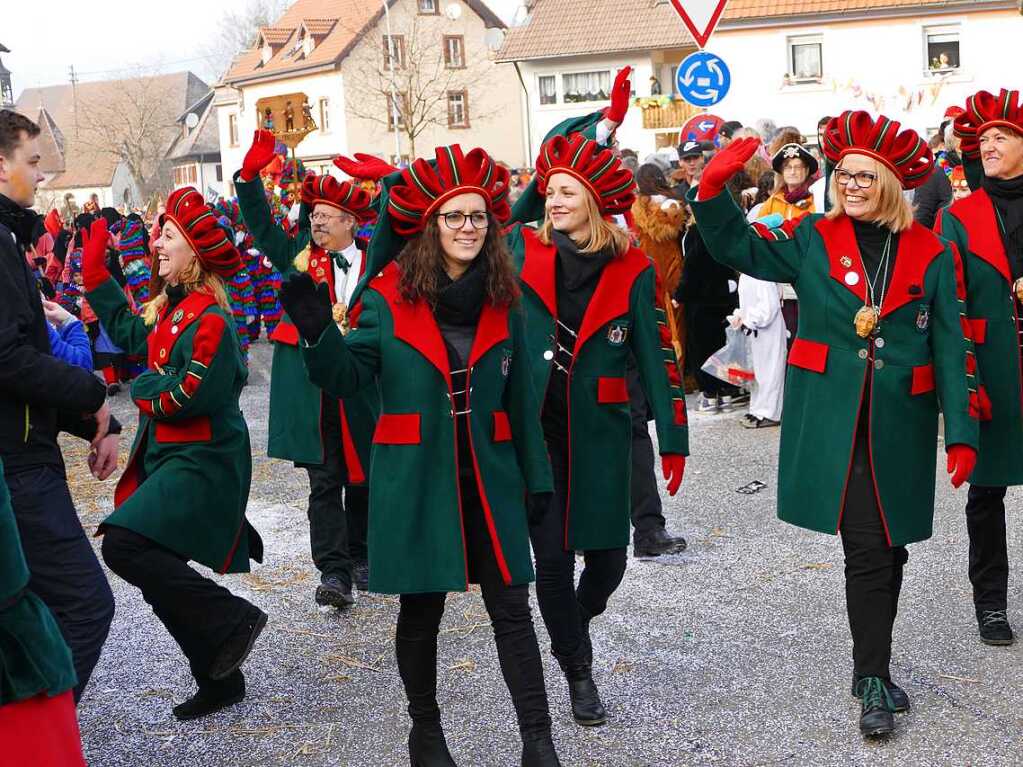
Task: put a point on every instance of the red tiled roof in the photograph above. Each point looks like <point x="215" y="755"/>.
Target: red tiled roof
<point x="276" y="35"/>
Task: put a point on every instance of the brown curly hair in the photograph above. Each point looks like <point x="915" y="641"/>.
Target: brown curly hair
<point x="422" y="258"/>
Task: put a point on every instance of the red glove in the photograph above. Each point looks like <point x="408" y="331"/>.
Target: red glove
<point x="364" y="166"/>
<point x="673" y="466"/>
<point x="260" y="154"/>
<point x="961" y="460"/>
<point x="621" y="95"/>
<point x="980" y="405"/>
<point x="724" y="165"/>
<point x="94" y="255"/>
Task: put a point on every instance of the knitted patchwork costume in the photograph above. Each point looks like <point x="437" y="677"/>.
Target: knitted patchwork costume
<point x="135" y="260"/>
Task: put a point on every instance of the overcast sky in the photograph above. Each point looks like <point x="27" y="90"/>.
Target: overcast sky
<point x="104" y="39"/>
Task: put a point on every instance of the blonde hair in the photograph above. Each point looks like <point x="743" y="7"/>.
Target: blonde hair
<point x="602" y="235"/>
<point x="892" y="208"/>
<point x="194" y="279"/>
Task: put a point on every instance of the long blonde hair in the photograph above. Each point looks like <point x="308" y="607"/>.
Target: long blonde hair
<point x="602" y="234"/>
<point x="893" y="209"/>
<point x="194" y="279"/>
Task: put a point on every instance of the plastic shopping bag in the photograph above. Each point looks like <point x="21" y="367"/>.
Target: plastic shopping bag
<point x="732" y="363"/>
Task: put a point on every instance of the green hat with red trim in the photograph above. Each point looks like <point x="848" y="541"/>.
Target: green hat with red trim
<point x="903" y="152"/>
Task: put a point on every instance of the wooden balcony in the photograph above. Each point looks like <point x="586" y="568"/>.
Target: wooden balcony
<point x="658" y="115"/>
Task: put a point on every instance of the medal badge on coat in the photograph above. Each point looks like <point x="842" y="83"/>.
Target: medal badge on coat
<point x="178" y="316"/>
<point x="923" y="318"/>
<point x="616" y="334"/>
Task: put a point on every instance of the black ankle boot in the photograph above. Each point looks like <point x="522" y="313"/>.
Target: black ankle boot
<point x="427" y="747"/>
<point x="211" y="697"/>
<point x="876" y="713"/>
<point x="900" y="700"/>
<point x="538" y="750"/>
<point x="587" y="709"/>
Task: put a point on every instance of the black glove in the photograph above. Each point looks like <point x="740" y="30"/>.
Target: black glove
<point x="537" y="506"/>
<point x="308" y="305"/>
<point x="748" y="331"/>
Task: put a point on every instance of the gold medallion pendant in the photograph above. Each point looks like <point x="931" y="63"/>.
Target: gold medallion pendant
<point x="866" y="320"/>
<point x="1017" y="288"/>
<point x="339" y="311"/>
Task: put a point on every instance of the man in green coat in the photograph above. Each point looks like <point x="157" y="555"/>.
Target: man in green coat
<point x="987" y="230"/>
<point x="329" y="438"/>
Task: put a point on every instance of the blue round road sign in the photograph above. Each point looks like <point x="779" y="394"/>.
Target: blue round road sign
<point x="703" y="79"/>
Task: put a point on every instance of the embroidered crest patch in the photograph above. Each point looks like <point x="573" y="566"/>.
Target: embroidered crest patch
<point x="616" y="334"/>
<point x="177" y="316"/>
<point x="923" y="317"/>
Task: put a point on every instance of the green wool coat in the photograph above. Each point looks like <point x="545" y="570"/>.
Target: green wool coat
<point x="416" y="535"/>
<point x="918" y="362"/>
<point x="187" y="480"/>
<point x="992" y="321"/>
<point x="33" y="656"/>
<point x="619" y="320"/>
<point x="295" y="403"/>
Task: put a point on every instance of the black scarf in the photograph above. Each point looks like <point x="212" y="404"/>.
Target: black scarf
<point x="175" y="295"/>
<point x="459" y="302"/>
<point x="21" y="221"/>
<point x="1007" y="196"/>
<point x="577" y="268"/>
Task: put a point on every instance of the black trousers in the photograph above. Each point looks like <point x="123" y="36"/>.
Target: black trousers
<point x="338" y="512"/>
<point x="647" y="514"/>
<point x="508" y="606"/>
<point x="562" y="604"/>
<point x="873" y="570"/>
<point x="705" y="334"/>
<point x="65" y="573"/>
<point x="989" y="554"/>
<point x="199" y="614"/>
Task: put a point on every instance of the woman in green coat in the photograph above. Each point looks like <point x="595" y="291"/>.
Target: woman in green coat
<point x="880" y="349"/>
<point x="458" y="447"/>
<point x="183" y="494"/>
<point x="37" y="709"/>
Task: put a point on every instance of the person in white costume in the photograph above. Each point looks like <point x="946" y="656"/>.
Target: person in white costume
<point x="759" y="317"/>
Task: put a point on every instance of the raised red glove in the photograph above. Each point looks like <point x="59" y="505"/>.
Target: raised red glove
<point x="260" y="154"/>
<point x="980" y="405"/>
<point x="621" y="96"/>
<point x="364" y="166"/>
<point x="724" y="165"/>
<point x="961" y="461"/>
<point x="94" y="255"/>
<point x="673" y="466"/>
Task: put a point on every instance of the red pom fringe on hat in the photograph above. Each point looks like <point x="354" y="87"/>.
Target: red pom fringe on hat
<point x="904" y="153"/>
<point x="597" y="168"/>
<point x="984" y="111"/>
<point x="342" y="195"/>
<point x="198" y="223"/>
<point x="425" y="187"/>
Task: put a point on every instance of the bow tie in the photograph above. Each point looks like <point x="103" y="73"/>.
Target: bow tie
<point x="342" y="263"/>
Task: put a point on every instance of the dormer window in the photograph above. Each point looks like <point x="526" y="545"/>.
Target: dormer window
<point x="267" y="53"/>
<point x="308" y="44"/>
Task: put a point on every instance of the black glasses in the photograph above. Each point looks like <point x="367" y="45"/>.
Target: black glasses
<point x="864" y="179"/>
<point x="456" y="219"/>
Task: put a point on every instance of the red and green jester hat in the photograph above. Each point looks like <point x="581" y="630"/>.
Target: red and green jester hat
<point x="987" y="229"/>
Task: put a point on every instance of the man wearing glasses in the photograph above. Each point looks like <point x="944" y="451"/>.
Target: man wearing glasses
<point x="327" y="437"/>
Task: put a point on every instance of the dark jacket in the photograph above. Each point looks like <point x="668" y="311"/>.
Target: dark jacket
<point x="704" y="280"/>
<point x="39" y="394"/>
<point x="934" y="194"/>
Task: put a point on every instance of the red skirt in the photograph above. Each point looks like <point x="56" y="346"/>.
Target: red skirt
<point x="41" y="731"/>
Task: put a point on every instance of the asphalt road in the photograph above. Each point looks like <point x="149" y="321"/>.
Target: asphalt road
<point x="736" y="652"/>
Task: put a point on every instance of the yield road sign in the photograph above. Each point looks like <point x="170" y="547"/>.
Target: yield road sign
<point x="700" y="17"/>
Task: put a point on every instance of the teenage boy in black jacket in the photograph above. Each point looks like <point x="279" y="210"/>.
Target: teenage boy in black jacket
<point x="41" y="396"/>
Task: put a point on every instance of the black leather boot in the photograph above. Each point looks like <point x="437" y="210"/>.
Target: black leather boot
<point x="237" y="647"/>
<point x="900" y="700"/>
<point x="427" y="747"/>
<point x="994" y="628"/>
<point x="876" y="713"/>
<point x="538" y="750"/>
<point x="587" y="708"/>
<point x="211" y="697"/>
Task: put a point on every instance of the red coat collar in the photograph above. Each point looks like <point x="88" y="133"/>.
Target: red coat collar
<point x="172" y="323"/>
<point x="977" y="215"/>
<point x="918" y="247"/>
<point x="321" y="265"/>
<point x="610" y="299"/>
<point x="415" y="324"/>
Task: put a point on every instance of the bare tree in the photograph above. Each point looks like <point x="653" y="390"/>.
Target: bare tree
<point x="132" y="121"/>
<point x="423" y="79"/>
<point x="236" y="31"/>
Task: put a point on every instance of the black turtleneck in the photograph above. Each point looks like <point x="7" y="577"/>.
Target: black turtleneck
<point x="175" y="295"/>
<point x="1007" y="196"/>
<point x="576" y="276"/>
<point x="871" y="238"/>
<point x="457" y="311"/>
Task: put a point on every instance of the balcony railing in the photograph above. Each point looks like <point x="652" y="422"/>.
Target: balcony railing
<point x="661" y="113"/>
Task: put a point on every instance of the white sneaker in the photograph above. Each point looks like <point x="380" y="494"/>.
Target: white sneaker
<point x="708" y="404"/>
